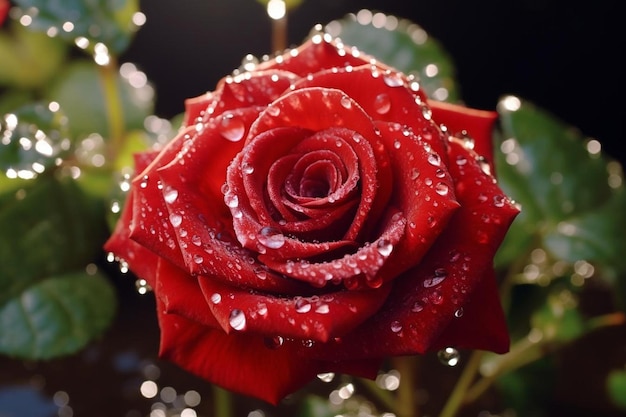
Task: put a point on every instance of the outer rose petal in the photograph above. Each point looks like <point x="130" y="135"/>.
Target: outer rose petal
<point x="316" y="317"/>
<point x="477" y="123"/>
<point x="140" y="260"/>
<point x="245" y="363"/>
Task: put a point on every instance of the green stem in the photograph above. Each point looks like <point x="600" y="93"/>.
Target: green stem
<point x="407" y="366"/>
<point x="456" y="399"/>
<point x="114" y="110"/>
<point x="222" y="402"/>
<point x="386" y="398"/>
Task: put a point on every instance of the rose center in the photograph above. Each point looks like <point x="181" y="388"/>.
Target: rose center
<point x="316" y="179"/>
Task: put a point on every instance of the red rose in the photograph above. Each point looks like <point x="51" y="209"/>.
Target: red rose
<point x="313" y="216"/>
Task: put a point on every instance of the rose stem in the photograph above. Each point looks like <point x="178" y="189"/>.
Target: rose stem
<point x="222" y="402"/>
<point x="113" y="103"/>
<point x="455" y="400"/>
<point x="279" y="34"/>
<point x="407" y="366"/>
<point x="525" y="351"/>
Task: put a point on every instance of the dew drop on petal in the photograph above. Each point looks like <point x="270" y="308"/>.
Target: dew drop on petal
<point x="435" y="279"/>
<point x="449" y="356"/>
<point x="170" y="195"/>
<point x="231" y="200"/>
<point x="346" y="102"/>
<point x="458" y="313"/>
<point x="382" y="103"/>
<point x="322" y="309"/>
<point x="303" y="305"/>
<point x="176" y="219"/>
<point x="396" y="326"/>
<point x="441" y="188"/>
<point x="434" y="159"/>
<point x="384" y="247"/>
<point x="273" y="111"/>
<point x="237" y="320"/>
<point x="274" y="342"/>
<point x="271" y="237"/>
<point x="216" y="298"/>
<point x="393" y="80"/>
<point x="231" y="128"/>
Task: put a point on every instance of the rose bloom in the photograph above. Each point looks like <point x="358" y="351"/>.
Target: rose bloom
<point x="317" y="213"/>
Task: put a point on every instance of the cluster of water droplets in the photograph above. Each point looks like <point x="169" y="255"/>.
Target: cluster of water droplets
<point x="88" y="32"/>
<point x="35" y="150"/>
<point x="437" y="89"/>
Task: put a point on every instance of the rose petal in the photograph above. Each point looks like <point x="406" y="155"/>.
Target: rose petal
<point x="180" y="294"/>
<point x="424" y="300"/>
<point x="250" y="89"/>
<point x="152" y="225"/>
<point x="314" y="55"/>
<point x="335" y="110"/>
<point x="477" y="123"/>
<point x="385" y="96"/>
<point x="241" y="363"/>
<point x="316" y="317"/>
<point x="483" y="307"/>
<point x="357" y="270"/>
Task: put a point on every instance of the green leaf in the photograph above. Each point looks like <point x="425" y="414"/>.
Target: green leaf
<point x="79" y="91"/>
<point x="559" y="319"/>
<point x="29" y="59"/>
<point x="616" y="386"/>
<point x="406" y="47"/>
<point x="34" y="137"/>
<point x="98" y="21"/>
<point x="315" y="406"/>
<point x="47" y="227"/>
<point x="57" y="316"/>
<point x="572" y="196"/>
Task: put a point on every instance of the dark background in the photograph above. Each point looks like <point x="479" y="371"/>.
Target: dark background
<point x="564" y="56"/>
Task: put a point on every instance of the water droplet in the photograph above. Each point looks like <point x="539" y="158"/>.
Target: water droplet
<point x="382" y="103"/>
<point x="459" y="313"/>
<point x="396" y="326"/>
<point x="237" y="320"/>
<point x="322" y="309"/>
<point x="176" y="219"/>
<point x="231" y="200"/>
<point x="196" y="240"/>
<point x="427" y="112"/>
<point x="415" y="174"/>
<point x="303" y="305"/>
<point x="231" y="128"/>
<point x="417" y="307"/>
<point x="216" y="298"/>
<point x="439" y="275"/>
<point x="271" y="237"/>
<point x="434" y="159"/>
<point x="260" y="273"/>
<point x="441" y="188"/>
<point x="326" y="377"/>
<point x="170" y="195"/>
<point x="274" y="342"/>
<point x="247" y="168"/>
<point x="449" y="356"/>
<point x="498" y="200"/>
<point x="384" y="247"/>
<point x="393" y="80"/>
<point x="198" y="259"/>
<point x="273" y="110"/>
<point x="346" y="102"/>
